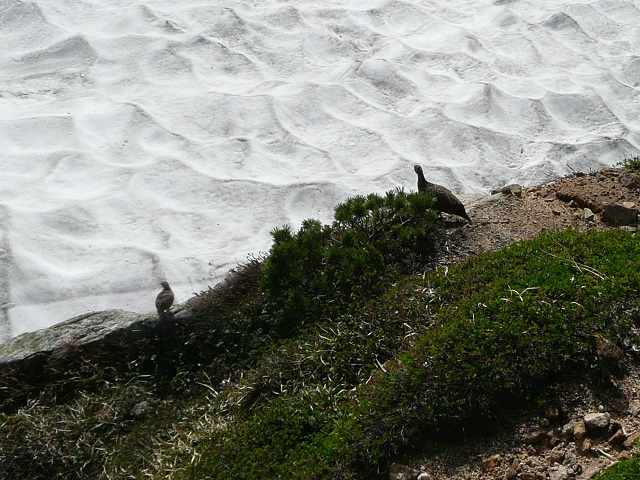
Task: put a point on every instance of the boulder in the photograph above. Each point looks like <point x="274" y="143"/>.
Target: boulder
<point x="31" y="350"/>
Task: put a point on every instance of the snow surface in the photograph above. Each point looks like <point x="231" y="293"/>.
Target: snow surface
<point x="151" y="140"/>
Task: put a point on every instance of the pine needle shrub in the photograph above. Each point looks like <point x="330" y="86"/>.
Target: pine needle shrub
<point x="321" y="269"/>
<point x="631" y="164"/>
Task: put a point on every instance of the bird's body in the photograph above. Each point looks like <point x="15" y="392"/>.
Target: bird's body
<point x="446" y="201"/>
<point x="165" y="298"/>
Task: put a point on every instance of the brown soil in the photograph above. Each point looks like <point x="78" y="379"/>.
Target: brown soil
<point x="524" y="444"/>
<point x="502" y="219"/>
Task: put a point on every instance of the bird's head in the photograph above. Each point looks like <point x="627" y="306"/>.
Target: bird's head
<point x="165" y="284"/>
<point x="417" y="169"/>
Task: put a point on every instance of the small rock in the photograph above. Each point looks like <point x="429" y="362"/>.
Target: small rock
<point x="588" y="215"/>
<point x="631" y="440"/>
<point x="555" y="440"/>
<point x="491" y="463"/>
<point x="579" y="429"/>
<point x="557" y="455"/>
<point x="635" y="408"/>
<point x="614" y="214"/>
<point x="624" y="456"/>
<point x="617" y="438"/>
<point x="583" y="445"/>
<point x="628" y="204"/>
<point x="140" y="409"/>
<point x="618" y="405"/>
<point x="593" y="468"/>
<point x="552" y="412"/>
<point x="531" y="476"/>
<point x="401" y="472"/>
<point x="573" y="204"/>
<point x="597" y="421"/>
<point x="425" y="476"/>
<point x="613" y="427"/>
<point x="513" y="470"/>
<point x="567" y="430"/>
<point x="631" y="181"/>
<point x="513" y="189"/>
<point x="534" y="438"/>
<point x="559" y="472"/>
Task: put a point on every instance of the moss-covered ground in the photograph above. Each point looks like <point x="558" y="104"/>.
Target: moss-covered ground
<point x="335" y="379"/>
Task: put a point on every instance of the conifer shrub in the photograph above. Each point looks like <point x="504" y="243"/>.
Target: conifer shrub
<point x="631" y="164"/>
<point x="321" y="269"/>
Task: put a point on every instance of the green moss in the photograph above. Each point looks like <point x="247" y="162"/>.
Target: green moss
<point x="480" y="336"/>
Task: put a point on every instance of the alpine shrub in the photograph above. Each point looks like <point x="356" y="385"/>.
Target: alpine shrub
<point x="321" y="268"/>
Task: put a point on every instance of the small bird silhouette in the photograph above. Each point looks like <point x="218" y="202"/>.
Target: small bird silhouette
<point x="165" y="298"/>
<point x="445" y="200"/>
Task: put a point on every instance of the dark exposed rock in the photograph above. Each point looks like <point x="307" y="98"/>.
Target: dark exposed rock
<point x="618" y="437"/>
<point x="631" y="181"/>
<point x="617" y="215"/>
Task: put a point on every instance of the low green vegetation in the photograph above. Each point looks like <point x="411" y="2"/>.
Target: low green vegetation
<point x="631" y="164"/>
<point x="624" y="470"/>
<point x="323" y="270"/>
<point x="337" y="353"/>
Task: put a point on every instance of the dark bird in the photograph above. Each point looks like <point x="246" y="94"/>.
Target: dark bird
<point x="165" y="298"/>
<point x="445" y="200"/>
<point x="610" y="356"/>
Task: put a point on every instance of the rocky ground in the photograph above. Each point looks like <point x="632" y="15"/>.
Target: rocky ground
<point x="593" y="425"/>
<point x="601" y="200"/>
